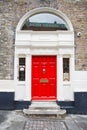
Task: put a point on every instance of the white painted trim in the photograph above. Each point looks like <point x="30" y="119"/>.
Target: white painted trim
<point x="44" y="9"/>
<point x="7" y="85"/>
<point x="79" y="81"/>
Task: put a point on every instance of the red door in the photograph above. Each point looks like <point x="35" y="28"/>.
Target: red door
<point x="44" y="77"/>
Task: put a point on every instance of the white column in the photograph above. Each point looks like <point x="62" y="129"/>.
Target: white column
<point x="16" y="67"/>
<point x="59" y="77"/>
<point x="28" y="77"/>
<point x="72" y="69"/>
<point x="15" y="74"/>
<point x="72" y="76"/>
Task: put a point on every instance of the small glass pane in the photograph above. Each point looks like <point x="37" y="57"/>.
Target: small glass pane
<point x="44" y="22"/>
<point x="66" y="69"/>
<point x="21" y="61"/>
<point x="21" y="69"/>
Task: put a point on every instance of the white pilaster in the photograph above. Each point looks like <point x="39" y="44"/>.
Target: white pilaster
<point x="16" y="67"/>
<point x="28" y="77"/>
<point x="59" y="76"/>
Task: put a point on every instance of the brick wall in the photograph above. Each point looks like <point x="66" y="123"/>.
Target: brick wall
<point x="11" y="12"/>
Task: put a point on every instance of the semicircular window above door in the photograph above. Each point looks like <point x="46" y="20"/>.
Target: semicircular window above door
<point x="44" y="22"/>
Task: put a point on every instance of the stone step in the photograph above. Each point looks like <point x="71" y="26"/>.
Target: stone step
<point x="44" y="102"/>
<point x="44" y="108"/>
<point x="41" y="105"/>
<point x="44" y="112"/>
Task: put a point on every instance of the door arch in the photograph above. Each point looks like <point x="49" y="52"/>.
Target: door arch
<point x="44" y="9"/>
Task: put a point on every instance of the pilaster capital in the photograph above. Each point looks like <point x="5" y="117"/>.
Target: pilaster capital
<point x="60" y="55"/>
<point x="28" y="55"/>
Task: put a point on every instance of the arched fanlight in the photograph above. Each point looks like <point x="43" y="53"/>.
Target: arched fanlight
<point x="44" y="22"/>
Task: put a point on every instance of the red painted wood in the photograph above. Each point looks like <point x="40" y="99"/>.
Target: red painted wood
<point x="44" y="68"/>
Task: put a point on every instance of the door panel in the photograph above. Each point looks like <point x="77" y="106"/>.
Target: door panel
<point x="44" y="77"/>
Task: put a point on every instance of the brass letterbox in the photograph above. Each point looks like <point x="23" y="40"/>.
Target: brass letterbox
<point x="44" y="80"/>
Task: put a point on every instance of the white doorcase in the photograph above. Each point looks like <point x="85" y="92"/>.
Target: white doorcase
<point x="25" y="86"/>
<point x="31" y="42"/>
